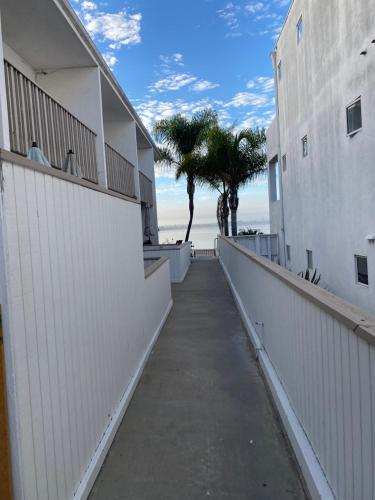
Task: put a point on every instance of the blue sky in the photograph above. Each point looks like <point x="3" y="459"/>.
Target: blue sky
<point x="180" y="56"/>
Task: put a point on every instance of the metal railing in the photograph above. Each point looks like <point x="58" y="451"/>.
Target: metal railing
<point x="120" y="172"/>
<point x="145" y="185"/>
<point x="35" y="116"/>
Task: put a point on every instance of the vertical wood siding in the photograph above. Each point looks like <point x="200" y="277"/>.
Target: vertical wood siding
<point x="35" y="116"/>
<point x="75" y="293"/>
<point x="327" y="371"/>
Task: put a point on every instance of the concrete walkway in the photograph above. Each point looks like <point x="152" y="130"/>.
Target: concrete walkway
<point x="201" y="424"/>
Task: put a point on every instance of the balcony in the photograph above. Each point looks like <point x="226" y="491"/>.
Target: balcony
<point x="145" y="184"/>
<point x="120" y="172"/>
<point x="35" y="116"/>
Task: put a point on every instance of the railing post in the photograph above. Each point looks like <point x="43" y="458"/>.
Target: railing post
<point x="4" y="123"/>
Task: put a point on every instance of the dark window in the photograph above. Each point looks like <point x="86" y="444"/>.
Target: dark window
<point x="284" y="163"/>
<point x="299" y="30"/>
<point x="361" y="269"/>
<point x="354" y="117"/>
<point x="310" y="262"/>
<point x="274" y="182"/>
<point x="288" y="252"/>
<point x="305" y="146"/>
<point x="279" y="70"/>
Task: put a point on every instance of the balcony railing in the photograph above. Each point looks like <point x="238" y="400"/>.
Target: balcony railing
<point x="145" y="185"/>
<point x="120" y="173"/>
<point x="35" y="116"/>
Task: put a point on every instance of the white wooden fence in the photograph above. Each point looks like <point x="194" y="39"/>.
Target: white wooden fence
<point x="265" y="245"/>
<point x="319" y="352"/>
<point x="76" y="332"/>
<point x="178" y="256"/>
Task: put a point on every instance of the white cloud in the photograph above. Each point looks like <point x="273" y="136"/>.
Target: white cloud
<point x="173" y="82"/>
<point x="264" y="84"/>
<point x="248" y="99"/>
<point x="86" y="5"/>
<point x="110" y="59"/>
<point x="151" y="110"/>
<point x="230" y="14"/>
<point x="119" y="28"/>
<point x="175" y="58"/>
<point x="254" y="7"/>
<point x="203" y="85"/>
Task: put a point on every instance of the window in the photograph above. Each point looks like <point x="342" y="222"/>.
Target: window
<point x="354" y="117"/>
<point x="279" y="70"/>
<point x="305" y="146"/>
<point x="274" y="181"/>
<point x="299" y="30"/>
<point x="361" y="270"/>
<point x="284" y="163"/>
<point x="288" y="253"/>
<point x="310" y="262"/>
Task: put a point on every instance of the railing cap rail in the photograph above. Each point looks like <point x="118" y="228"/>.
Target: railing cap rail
<point x="352" y="316"/>
<point x="155" y="266"/>
<point x="14" y="158"/>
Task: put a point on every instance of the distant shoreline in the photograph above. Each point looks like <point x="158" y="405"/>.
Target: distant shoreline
<point x="241" y="224"/>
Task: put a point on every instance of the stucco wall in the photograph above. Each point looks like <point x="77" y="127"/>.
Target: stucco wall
<point x="328" y="200"/>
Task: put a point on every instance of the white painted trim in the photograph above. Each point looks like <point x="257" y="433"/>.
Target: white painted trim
<point x="313" y="474"/>
<point x="96" y="463"/>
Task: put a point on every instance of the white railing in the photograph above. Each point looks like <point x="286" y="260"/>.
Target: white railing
<point x="265" y="245"/>
<point x="120" y="172"/>
<point x="79" y="321"/>
<point x="146" y="189"/>
<point x="320" y="352"/>
<point x="36" y="116"/>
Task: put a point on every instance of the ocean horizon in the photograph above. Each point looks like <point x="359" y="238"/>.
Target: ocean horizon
<point x="204" y="235"/>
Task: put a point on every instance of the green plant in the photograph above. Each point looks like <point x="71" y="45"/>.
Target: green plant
<point x="314" y="278"/>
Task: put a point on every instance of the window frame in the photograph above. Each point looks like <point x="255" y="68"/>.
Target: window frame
<point x="351" y="105"/>
<point x="288" y="253"/>
<point x="300" y="30"/>
<point x="304" y="141"/>
<point x="357" y="281"/>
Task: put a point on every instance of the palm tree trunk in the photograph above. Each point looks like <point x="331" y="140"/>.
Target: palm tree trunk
<point x="226" y="213"/>
<point x="233" y="204"/>
<point x="190" y="192"/>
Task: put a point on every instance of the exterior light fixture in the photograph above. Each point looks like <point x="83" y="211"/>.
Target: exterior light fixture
<point x="71" y="165"/>
<point x="36" y="154"/>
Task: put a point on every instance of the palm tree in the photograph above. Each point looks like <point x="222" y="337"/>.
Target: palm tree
<point x="236" y="160"/>
<point x="183" y="138"/>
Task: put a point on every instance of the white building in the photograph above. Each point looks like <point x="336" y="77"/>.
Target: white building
<point x="321" y="145"/>
<point x="79" y="311"/>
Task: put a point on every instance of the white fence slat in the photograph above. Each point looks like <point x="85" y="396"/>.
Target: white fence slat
<point x="327" y="370"/>
<point x="78" y="330"/>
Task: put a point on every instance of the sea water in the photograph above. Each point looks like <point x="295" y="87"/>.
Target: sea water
<point x="203" y="235"/>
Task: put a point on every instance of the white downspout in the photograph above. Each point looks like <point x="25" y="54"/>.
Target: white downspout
<point x="283" y="239"/>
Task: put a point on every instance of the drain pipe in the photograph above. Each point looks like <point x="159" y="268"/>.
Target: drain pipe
<point x="283" y="242"/>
